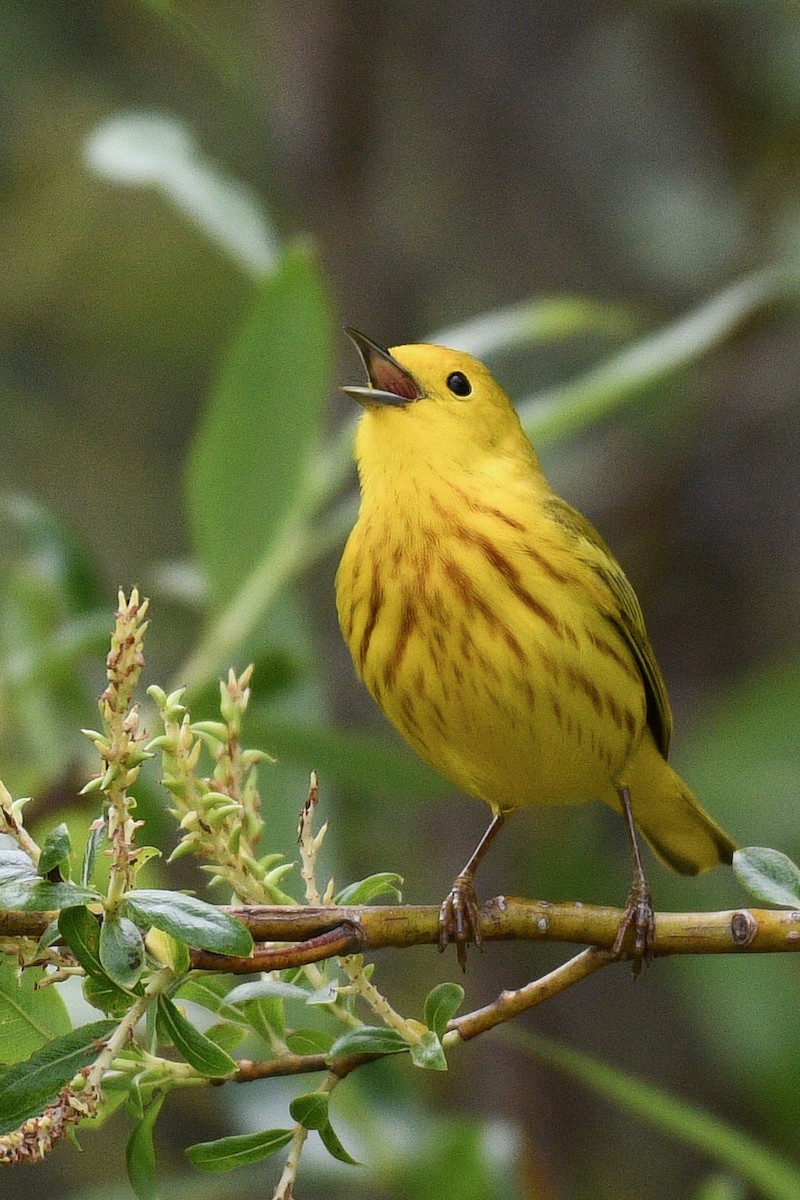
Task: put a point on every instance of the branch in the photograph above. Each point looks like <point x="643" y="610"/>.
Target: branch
<point x="315" y="933"/>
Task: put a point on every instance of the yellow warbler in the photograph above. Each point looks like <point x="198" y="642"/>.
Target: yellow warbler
<point x="496" y="630"/>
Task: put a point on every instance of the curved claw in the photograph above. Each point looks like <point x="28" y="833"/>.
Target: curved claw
<point x="638" y="919"/>
<point x="458" y="919"/>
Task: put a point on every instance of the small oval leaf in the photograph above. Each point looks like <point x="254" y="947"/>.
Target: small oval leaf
<point x="428" y="1053"/>
<point x="332" y="1144"/>
<point x="310" y="1110"/>
<point x="441" y="1004"/>
<point x="190" y="920"/>
<point x="198" y="1050"/>
<point x="56" y="850"/>
<point x="768" y="875"/>
<point x="121" y="951"/>
<point x="263" y="989"/>
<point x="365" y="891"/>
<point x="140" y="1155"/>
<point x="369" y="1039"/>
<point x="226" y="1154"/>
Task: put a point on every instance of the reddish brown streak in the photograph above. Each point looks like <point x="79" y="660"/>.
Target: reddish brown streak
<point x="408" y="623"/>
<point x="511" y="576"/>
<point x="606" y="648"/>
<point x="375" y="606"/>
<point x="584" y="684"/>
<point x="486" y="509"/>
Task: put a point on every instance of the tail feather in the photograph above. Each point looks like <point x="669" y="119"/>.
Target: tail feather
<point x="679" y="830"/>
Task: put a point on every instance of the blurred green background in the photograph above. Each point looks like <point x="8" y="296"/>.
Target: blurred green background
<point x="445" y="161"/>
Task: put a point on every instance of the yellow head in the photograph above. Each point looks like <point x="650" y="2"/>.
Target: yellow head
<point x="429" y="407"/>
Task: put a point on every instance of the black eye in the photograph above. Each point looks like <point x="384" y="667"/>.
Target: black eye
<point x="459" y="384"/>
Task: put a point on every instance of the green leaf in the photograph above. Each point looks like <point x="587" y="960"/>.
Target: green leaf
<point x="56" y="850"/>
<point x="37" y="895"/>
<point x="80" y="929"/>
<point x="226" y="1154"/>
<point x="691" y="1125"/>
<point x="348" y="757"/>
<point x="227" y="1034"/>
<point x="198" y="1050"/>
<point x="15" y="864"/>
<point x="310" y="1041"/>
<point x="261" y="989"/>
<point x="160" y="150"/>
<point x="140" y="1155"/>
<point x="29" y="1016"/>
<point x="211" y="992"/>
<point x="428" y="1053"/>
<point x="261" y="423"/>
<point x="310" y="1110"/>
<point x="190" y="920"/>
<point x="332" y="1144"/>
<point x="121" y="950"/>
<point x="28" y="1087"/>
<point x="768" y="875"/>
<point x="441" y="1004"/>
<point x="365" y="891"/>
<point x="100" y="992"/>
<point x="369" y="1039"/>
<point x="94" y="841"/>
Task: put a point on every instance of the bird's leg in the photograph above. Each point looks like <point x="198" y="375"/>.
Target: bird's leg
<point x="638" y="916"/>
<point x="458" y="916"/>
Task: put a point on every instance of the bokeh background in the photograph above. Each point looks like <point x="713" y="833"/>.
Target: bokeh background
<point x="447" y="160"/>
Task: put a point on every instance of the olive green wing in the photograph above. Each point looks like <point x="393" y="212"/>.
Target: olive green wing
<point x="617" y="600"/>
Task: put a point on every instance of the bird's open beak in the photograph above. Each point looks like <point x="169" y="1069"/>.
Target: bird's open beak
<point x="389" y="383"/>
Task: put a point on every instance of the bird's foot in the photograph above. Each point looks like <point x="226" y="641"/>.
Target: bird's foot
<point x="639" y="923"/>
<point x="458" y="918"/>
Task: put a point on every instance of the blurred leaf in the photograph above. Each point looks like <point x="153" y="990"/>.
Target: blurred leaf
<point x="28" y="1087"/>
<point x="310" y="1110"/>
<point x="198" y="1050"/>
<point x="140" y="1155"/>
<point x="29" y="1016"/>
<point x="333" y="1145"/>
<point x="369" y="762"/>
<point x="251" y="451"/>
<point x="768" y="875"/>
<point x="48" y="599"/>
<point x="121" y="951"/>
<point x="227" y="1035"/>
<point x="159" y="150"/>
<point x="228" y="1153"/>
<point x="56" y="850"/>
<point x="369" y="1039"/>
<point x="744" y="758"/>
<point x="310" y="1041"/>
<point x="428" y="1053"/>
<point x="190" y="920"/>
<point x="693" y="1126"/>
<point x="210" y="992"/>
<point x="564" y="410"/>
<point x="533" y="321"/>
<point x="441" y="1004"/>
<point x="366" y="891"/>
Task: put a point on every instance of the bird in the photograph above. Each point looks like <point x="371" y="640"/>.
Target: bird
<point x="496" y="630"/>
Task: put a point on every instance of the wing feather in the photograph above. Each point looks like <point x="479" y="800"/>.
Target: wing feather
<point x="619" y="603"/>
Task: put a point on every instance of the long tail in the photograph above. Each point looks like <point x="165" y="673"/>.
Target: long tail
<point x="679" y="830"/>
